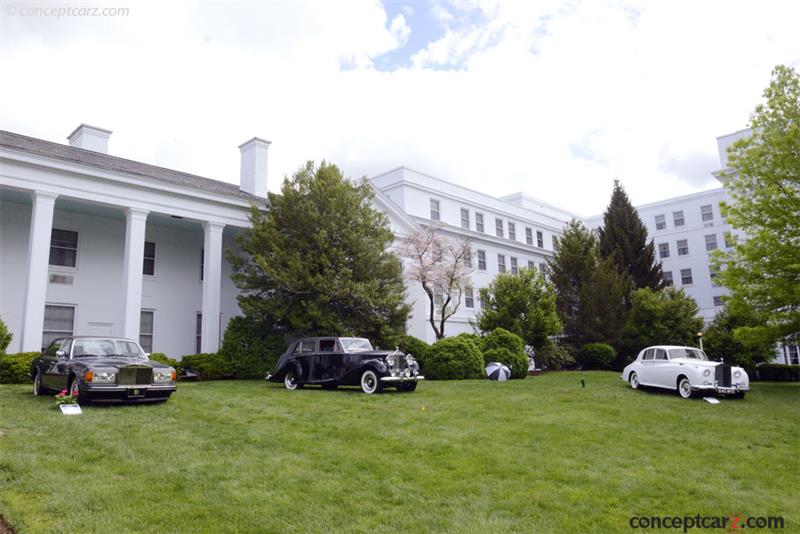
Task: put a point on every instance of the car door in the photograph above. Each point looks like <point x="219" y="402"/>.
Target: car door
<point x="646" y="370"/>
<point x="304" y="356"/>
<point x="54" y="364"/>
<point x="327" y="360"/>
<point x="663" y="370"/>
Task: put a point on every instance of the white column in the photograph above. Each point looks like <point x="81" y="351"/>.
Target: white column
<point x="212" y="278"/>
<point x="135" y="224"/>
<point x="38" y="261"/>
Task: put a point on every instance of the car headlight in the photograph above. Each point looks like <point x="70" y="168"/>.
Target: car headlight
<point x="707" y="372"/>
<point x="164" y="375"/>
<point x="102" y="377"/>
<point x="737" y="374"/>
<point x="391" y="360"/>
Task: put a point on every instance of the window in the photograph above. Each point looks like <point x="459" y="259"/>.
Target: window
<point x="663" y="250"/>
<point x="531" y="265"/>
<point x="667" y="277"/>
<point x="198" y="330"/>
<point x="661" y="222"/>
<point x="661" y="354"/>
<point x="63" y="248"/>
<point x="729" y="241"/>
<point x="711" y="242"/>
<point x="435" y="210"/>
<point x="327" y="345"/>
<point x="146" y="330"/>
<point x="512" y="231"/>
<point x="529" y="236"/>
<point x="542" y="269"/>
<point x="482" y="260"/>
<point x="498" y="227"/>
<point x="149" y="259"/>
<point x="484" y="301"/>
<point x="438" y="296"/>
<point x="539" y="239"/>
<point x="683" y="247"/>
<point x="706" y="213"/>
<point x="468" y="258"/>
<point x="465" y="218"/>
<point x="479" y="222"/>
<point x="648" y="354"/>
<point x="712" y="274"/>
<point x="717" y="300"/>
<point x="514" y="265"/>
<point x="469" y="297"/>
<point x="677" y="218"/>
<point x="555" y="242"/>
<point x="501" y="263"/>
<point x="793" y="354"/>
<point x="202" y="262"/>
<point x="686" y="276"/>
<point x="59" y="321"/>
<point x="306" y="346"/>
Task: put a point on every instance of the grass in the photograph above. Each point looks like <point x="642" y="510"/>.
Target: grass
<point x="539" y="454"/>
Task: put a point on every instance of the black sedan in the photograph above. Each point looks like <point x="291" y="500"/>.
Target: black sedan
<point x="345" y="361"/>
<point x="101" y="369"/>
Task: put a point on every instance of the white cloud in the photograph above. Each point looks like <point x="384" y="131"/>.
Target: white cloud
<point x="554" y="99"/>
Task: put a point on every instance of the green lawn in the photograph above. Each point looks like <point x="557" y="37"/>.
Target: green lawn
<point x="540" y="455"/>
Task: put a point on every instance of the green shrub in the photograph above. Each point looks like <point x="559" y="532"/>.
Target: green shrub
<point x="163" y="358"/>
<point x="418" y="348"/>
<point x="210" y="366"/>
<point x="596" y="356"/>
<point x="475" y="339"/>
<point x="454" y="358"/>
<point x="516" y="361"/>
<point x="15" y="368"/>
<point x="514" y="347"/>
<point x="779" y="372"/>
<point x="554" y="357"/>
<point x="5" y="337"/>
<point x="252" y="349"/>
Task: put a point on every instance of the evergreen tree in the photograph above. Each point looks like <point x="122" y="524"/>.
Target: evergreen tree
<point x="603" y="310"/>
<point x="318" y="263"/>
<point x="623" y="239"/>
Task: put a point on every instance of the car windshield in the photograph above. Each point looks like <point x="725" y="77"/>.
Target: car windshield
<point x="694" y="354"/>
<point x="355" y="344"/>
<point x="84" y="348"/>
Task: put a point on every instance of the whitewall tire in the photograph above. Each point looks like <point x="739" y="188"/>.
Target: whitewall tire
<point x="37" y="384"/>
<point x="74" y="387"/>
<point x="290" y="381"/>
<point x="370" y="383"/>
<point x="684" y="388"/>
<point x="634" y="380"/>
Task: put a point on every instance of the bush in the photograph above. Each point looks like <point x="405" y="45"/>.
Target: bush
<point x="251" y="349"/>
<point x="418" y="348"/>
<point x="210" y="366"/>
<point x="454" y="358"/>
<point x="5" y="337"/>
<point x="596" y="356"/>
<point x="514" y="356"/>
<point x="554" y="357"/>
<point x="779" y="372"/>
<point x="15" y="368"/>
<point x="475" y="339"/>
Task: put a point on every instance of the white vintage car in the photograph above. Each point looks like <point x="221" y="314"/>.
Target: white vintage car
<point x="685" y="369"/>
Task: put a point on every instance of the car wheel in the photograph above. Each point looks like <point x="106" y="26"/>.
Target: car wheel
<point x="37" y="384"/>
<point x="684" y="388"/>
<point x="290" y="381"/>
<point x="370" y="383"/>
<point x="410" y="386"/>
<point x="634" y="380"/>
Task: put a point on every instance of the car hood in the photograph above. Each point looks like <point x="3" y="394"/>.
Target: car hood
<point x="701" y="363"/>
<point x="117" y="361"/>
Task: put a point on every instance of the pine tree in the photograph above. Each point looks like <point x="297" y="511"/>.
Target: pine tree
<point x="318" y="263"/>
<point x="623" y="239"/>
<point x="603" y="310"/>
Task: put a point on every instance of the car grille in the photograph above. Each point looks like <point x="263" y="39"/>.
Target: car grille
<point x="134" y="376"/>
<point x="723" y="375"/>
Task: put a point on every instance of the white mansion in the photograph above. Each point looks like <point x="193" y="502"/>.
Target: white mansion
<point x="97" y="244"/>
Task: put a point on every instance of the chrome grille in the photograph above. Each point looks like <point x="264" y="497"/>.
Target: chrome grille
<point x="135" y="376"/>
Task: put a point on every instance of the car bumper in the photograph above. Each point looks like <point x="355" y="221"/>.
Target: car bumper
<point x="731" y="390"/>
<point x="400" y="379"/>
<point x="114" y="393"/>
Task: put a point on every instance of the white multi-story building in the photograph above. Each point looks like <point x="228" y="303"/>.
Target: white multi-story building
<point x="96" y="244"/>
<point x="506" y="234"/>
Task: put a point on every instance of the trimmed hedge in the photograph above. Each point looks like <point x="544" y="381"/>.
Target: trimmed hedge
<point x="418" y="348"/>
<point x="553" y="356"/>
<point x="778" y="372"/>
<point x="210" y="366"/>
<point x="251" y="349"/>
<point x="508" y="348"/>
<point x="596" y="356"/>
<point x="15" y="368"/>
<point x="454" y="358"/>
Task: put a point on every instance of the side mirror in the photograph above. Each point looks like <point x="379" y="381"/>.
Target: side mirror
<point x="61" y="354"/>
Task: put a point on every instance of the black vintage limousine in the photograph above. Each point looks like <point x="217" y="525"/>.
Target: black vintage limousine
<point x="101" y="369"/>
<point x="345" y="361"/>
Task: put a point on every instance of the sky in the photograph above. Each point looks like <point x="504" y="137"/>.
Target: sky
<point x="552" y="98"/>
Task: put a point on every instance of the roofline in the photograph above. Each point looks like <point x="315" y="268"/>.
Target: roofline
<point x="83" y="125"/>
<point x="682" y="197"/>
<point x="733" y="133"/>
